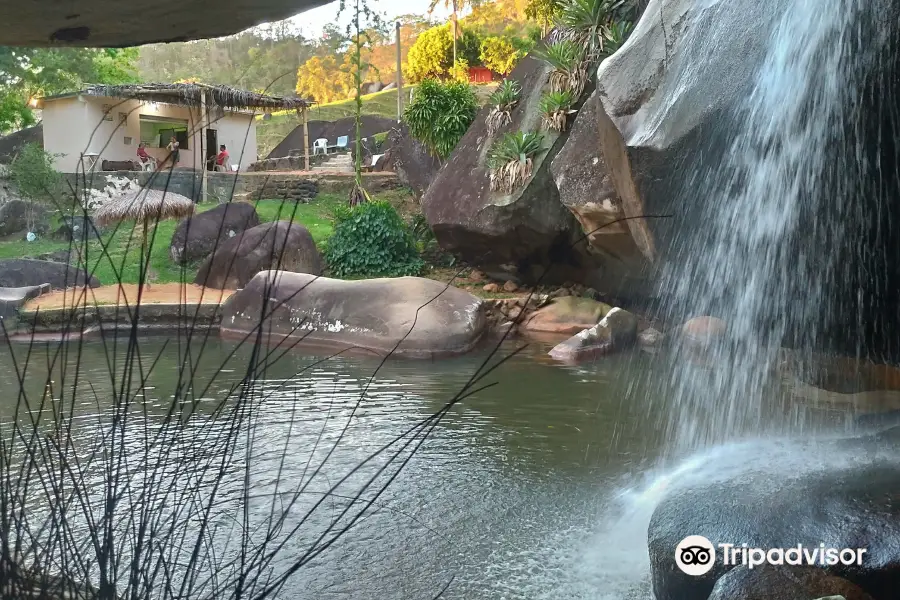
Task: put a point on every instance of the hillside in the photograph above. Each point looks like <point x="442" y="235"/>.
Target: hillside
<point x="381" y="104"/>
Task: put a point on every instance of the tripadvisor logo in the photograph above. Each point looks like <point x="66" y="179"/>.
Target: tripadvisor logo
<point x="695" y="555"/>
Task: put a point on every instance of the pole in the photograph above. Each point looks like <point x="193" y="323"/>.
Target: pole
<point x="203" y="126"/>
<point x="305" y="114"/>
<point x="399" y="76"/>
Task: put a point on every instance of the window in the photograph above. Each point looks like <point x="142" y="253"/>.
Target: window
<point x="156" y="132"/>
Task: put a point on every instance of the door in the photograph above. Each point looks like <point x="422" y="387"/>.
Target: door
<point x="212" y="148"/>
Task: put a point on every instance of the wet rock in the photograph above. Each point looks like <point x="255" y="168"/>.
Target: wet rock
<point x="702" y="333"/>
<point x="567" y="315"/>
<point x="491" y="288"/>
<point x="650" y="339"/>
<point x="281" y="244"/>
<point x="617" y="331"/>
<point x="198" y="236"/>
<point x="519" y="235"/>
<point x="23" y="272"/>
<point x="374" y="314"/>
<point x="21" y="216"/>
<point x="768" y="582"/>
<point x="510" y="287"/>
<point x="840" y="492"/>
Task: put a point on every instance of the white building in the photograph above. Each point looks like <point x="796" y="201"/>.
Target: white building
<point x="108" y="122"/>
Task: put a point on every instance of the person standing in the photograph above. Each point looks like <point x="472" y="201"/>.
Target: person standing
<point x="173" y="149"/>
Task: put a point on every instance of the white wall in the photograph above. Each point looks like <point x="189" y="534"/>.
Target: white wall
<point x="73" y="127"/>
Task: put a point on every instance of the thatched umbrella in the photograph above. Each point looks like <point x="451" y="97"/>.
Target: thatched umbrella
<point x="145" y="206"/>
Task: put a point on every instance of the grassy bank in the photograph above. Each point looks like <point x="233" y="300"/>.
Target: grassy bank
<point x="121" y="262"/>
<point x="380" y="104"/>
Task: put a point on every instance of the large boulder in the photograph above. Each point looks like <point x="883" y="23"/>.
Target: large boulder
<point x="12" y="144"/>
<point x="23" y="272"/>
<point x="840" y="492"/>
<point x="406" y="316"/>
<point x="414" y="165"/>
<point x="199" y="235"/>
<point x="279" y="245"/>
<point x="569" y="314"/>
<point x="20" y="216"/>
<point x="514" y="236"/>
<point x="769" y="582"/>
<point x="586" y="189"/>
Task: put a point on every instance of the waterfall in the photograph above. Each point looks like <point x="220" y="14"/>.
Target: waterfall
<point x="759" y="257"/>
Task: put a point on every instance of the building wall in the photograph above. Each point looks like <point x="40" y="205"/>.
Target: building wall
<point x="73" y="127"/>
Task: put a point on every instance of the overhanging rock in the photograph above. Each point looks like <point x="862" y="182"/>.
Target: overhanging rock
<point x="110" y="23"/>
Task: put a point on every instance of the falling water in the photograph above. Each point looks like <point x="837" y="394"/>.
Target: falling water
<point x="761" y="261"/>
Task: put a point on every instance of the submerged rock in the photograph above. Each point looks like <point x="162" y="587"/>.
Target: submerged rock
<point x="700" y="334"/>
<point x="199" y="235"/>
<point x="567" y="314"/>
<point x="650" y="339"/>
<point x="769" y="582"/>
<point x="841" y="493"/>
<point x="281" y="244"/>
<point x="617" y="331"/>
<point x="405" y="316"/>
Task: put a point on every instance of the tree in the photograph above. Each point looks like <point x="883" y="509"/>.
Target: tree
<point x="29" y="72"/>
<point x="324" y="79"/>
<point x="499" y="55"/>
<point x="543" y="12"/>
<point x="456" y="5"/>
<point x="431" y="56"/>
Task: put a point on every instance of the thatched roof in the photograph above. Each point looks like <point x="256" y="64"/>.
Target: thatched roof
<point x="145" y="205"/>
<point x="189" y="94"/>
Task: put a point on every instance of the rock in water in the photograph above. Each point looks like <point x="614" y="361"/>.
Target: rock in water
<point x="425" y="317"/>
<point x="508" y="236"/>
<point x="841" y="493"/>
<point x="700" y="334"/>
<point x="23" y="272"/>
<point x="199" y="235"/>
<point x="615" y="332"/>
<point x="768" y="582"/>
<point x="650" y="339"/>
<point x="281" y="244"/>
<point x="567" y="314"/>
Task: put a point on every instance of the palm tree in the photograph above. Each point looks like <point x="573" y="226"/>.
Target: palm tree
<point x="456" y="5"/>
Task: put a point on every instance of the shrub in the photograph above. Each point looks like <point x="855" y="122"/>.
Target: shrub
<point x="588" y="21"/>
<point x="556" y="108"/>
<point x="440" y="114"/>
<point x="460" y="71"/>
<point x="511" y="159"/>
<point x="615" y="35"/>
<point x="567" y="59"/>
<point x="431" y="56"/>
<point x="33" y="173"/>
<point x="502" y="101"/>
<point x="371" y="240"/>
<point x="499" y="55"/>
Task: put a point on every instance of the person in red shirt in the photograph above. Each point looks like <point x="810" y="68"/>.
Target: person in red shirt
<point x="221" y="158"/>
<point x="143" y="156"/>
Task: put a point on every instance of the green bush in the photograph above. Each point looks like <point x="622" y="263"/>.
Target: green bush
<point x="371" y="240"/>
<point x="33" y="173"/>
<point x="499" y="55"/>
<point x="440" y="114"/>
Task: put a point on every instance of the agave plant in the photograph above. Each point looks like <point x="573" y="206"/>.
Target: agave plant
<point x="614" y="35"/>
<point x="570" y="70"/>
<point x="511" y="160"/>
<point x="502" y="101"/>
<point x="587" y="20"/>
<point x="556" y="108"/>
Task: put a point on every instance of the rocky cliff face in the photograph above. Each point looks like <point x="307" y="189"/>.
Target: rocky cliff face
<point x="514" y="236"/>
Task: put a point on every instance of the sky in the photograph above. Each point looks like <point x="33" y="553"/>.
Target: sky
<point x="312" y="21"/>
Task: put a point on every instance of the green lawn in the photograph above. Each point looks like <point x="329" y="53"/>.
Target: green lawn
<point x="380" y="104"/>
<point x="121" y="261"/>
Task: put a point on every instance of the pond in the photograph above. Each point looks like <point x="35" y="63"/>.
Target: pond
<point x="539" y="485"/>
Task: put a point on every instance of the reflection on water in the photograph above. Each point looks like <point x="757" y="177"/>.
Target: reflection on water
<point x="516" y="492"/>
